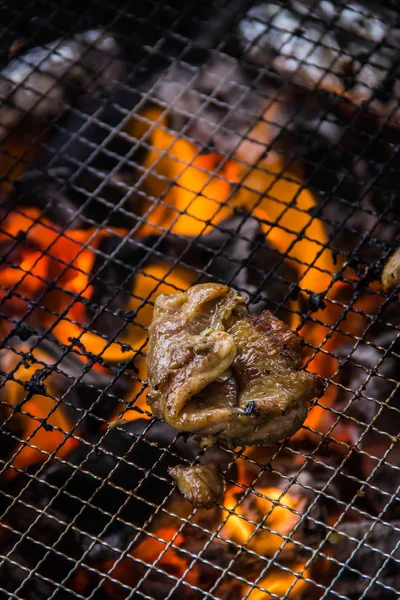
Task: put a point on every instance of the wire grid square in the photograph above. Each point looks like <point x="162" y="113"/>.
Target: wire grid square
<point x="309" y="457"/>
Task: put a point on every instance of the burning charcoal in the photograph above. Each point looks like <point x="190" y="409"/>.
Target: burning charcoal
<point x="391" y="272"/>
<point x="29" y="83"/>
<point x="61" y="195"/>
<point x="123" y="461"/>
<point x="116" y="263"/>
<point x="83" y="134"/>
<point x="202" y="485"/>
<point x="225" y="252"/>
<point x="78" y="162"/>
<point x="270" y="31"/>
<point x="35" y="581"/>
<point x="236" y="253"/>
<point x="88" y="491"/>
<point x="371" y="372"/>
<point x="369" y="560"/>
<point x="86" y="395"/>
<point x="349" y="50"/>
<point x="356" y="18"/>
<point x="132" y="573"/>
<point x="48" y="552"/>
<point x="227" y="115"/>
<point x="344" y="165"/>
<point x="266" y="516"/>
<point x="208" y="359"/>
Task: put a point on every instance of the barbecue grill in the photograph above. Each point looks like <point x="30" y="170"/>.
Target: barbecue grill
<point x="195" y="162"/>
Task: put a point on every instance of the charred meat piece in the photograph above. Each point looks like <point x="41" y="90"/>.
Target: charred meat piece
<point x="222" y="374"/>
<point x="202" y="485"/>
<point x="36" y="83"/>
<point x="391" y="272"/>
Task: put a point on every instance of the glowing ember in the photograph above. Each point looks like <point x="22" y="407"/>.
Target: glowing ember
<point x="281" y="584"/>
<point x="46" y="281"/>
<point x="37" y="417"/>
<point x="157" y="552"/>
<point x="274" y="515"/>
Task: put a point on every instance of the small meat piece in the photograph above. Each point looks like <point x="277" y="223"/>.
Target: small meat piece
<point x="391" y="272"/>
<point x="222" y="374"/>
<point x="202" y="485"/>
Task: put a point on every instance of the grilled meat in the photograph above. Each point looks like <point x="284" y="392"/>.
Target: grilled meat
<point x="222" y="374"/>
<point x="391" y="272"/>
<point x="202" y="485"/>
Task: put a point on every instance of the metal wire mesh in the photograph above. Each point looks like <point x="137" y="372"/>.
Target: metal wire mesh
<point x="88" y="510"/>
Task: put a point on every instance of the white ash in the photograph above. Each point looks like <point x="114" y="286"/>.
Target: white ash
<point x="213" y="102"/>
<point x="349" y="50"/>
<point x="35" y="83"/>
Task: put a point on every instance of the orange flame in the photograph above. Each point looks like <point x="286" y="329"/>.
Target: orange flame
<point x="39" y="417"/>
<point x="282" y="584"/>
<point x="188" y="194"/>
<point x="154" y="551"/>
<point x="265" y="538"/>
<point x="330" y="329"/>
<point x="65" y="259"/>
<point x="196" y="194"/>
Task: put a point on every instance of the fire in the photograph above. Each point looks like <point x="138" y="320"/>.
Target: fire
<point x="279" y="584"/>
<point x="161" y="551"/>
<point x="37" y="417"/>
<point x="46" y="279"/>
<point x="275" y="194"/>
<point x="263" y="521"/>
<point x="192" y="193"/>
<point x="329" y="329"/>
<point x="52" y="268"/>
<point x="267" y="534"/>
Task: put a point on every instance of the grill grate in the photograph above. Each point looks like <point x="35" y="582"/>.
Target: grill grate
<point x="107" y="221"/>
